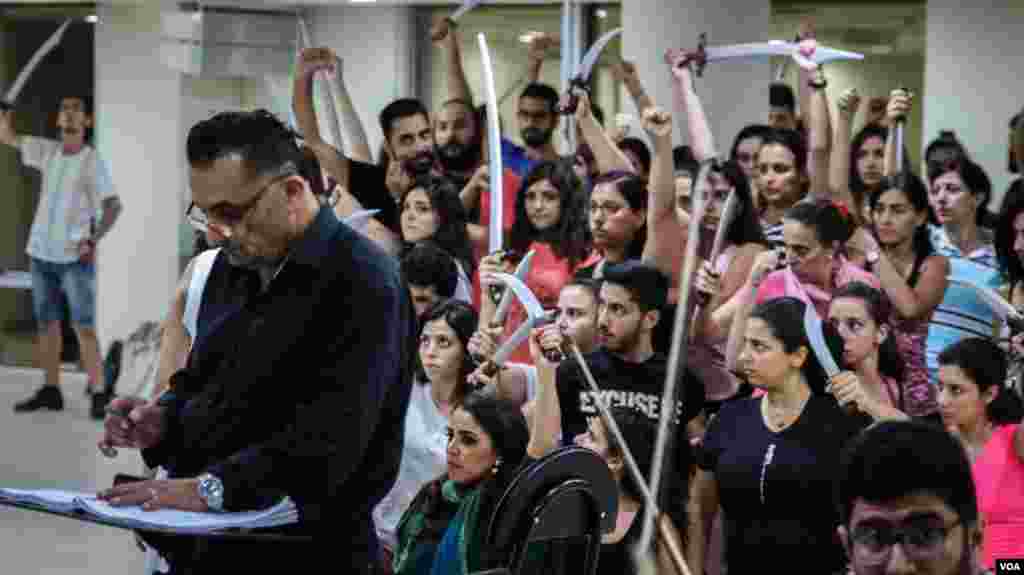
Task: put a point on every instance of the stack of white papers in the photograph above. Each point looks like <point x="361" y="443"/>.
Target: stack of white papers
<point x="186" y="522"/>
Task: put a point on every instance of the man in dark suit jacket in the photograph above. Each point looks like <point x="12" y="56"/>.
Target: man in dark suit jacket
<point x="299" y="375"/>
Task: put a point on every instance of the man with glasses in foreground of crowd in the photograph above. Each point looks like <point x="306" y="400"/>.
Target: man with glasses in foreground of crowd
<point x="296" y="383"/>
<point x="907" y="502"/>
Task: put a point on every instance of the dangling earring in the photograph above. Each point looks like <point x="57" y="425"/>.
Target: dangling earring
<point x="496" y="467"/>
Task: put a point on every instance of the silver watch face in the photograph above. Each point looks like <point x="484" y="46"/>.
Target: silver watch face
<point x="212" y="491"/>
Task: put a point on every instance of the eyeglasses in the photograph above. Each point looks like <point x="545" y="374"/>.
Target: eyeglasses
<point x="227" y="216"/>
<point x="921" y="541"/>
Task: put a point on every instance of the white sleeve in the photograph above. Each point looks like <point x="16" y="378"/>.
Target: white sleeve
<point x="35" y="151"/>
<point x="194" y="296"/>
<point x="102" y="179"/>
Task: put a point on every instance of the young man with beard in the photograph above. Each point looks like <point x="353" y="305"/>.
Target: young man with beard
<point x="408" y="143"/>
<point x="77" y="207"/>
<point x="625" y="366"/>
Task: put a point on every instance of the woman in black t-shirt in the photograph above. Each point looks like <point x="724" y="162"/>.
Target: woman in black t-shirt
<point x="770" y="461"/>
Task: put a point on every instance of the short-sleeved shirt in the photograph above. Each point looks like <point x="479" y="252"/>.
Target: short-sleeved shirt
<point x="962" y="313"/>
<point x="368" y="184"/>
<point x="623" y="384"/>
<point x="74" y="187"/>
<point x="776" y="488"/>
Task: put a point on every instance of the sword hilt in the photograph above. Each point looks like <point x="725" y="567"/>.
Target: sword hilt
<point x="701" y="59"/>
<point x="902" y="118"/>
<point x="572" y="101"/>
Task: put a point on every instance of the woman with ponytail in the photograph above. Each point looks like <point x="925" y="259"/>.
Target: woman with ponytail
<point x="912" y="275"/>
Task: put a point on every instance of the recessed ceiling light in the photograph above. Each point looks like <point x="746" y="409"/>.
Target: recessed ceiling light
<point x="601" y="13"/>
<point x="92" y="18"/>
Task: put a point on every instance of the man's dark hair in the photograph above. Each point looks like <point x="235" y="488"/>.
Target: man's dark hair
<point x="885" y="463"/>
<point x="683" y="160"/>
<point x="263" y="142"/>
<point x="400" y="108"/>
<point x="645" y="283"/>
<point x="541" y="92"/>
<point x="781" y="96"/>
<point x="639" y="149"/>
<point x="85" y="98"/>
<point x="426" y="265"/>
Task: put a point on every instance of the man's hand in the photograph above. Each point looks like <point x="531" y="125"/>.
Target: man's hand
<point x="132" y="422"/>
<point x="848" y="104"/>
<point x="624" y="71"/>
<point x="546" y="344"/>
<point x="397" y="181"/>
<point x="657" y="122"/>
<point x="441" y="30"/>
<point x="182" y="494"/>
<point x="312" y="60"/>
<point x="900" y="104"/>
<point x="679" y="62"/>
<point x="86" y="251"/>
<point x="539" y="46"/>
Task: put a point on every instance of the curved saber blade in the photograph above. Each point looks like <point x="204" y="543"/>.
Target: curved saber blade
<point x="522" y="270"/>
<point x="514" y="341"/>
<point x="358" y="220"/>
<point x="676" y="359"/>
<point x="590" y="58"/>
<point x="816" y="337"/>
<point x="466" y="7"/>
<point x="728" y="213"/>
<point x="12" y="93"/>
<point x="327" y="92"/>
<point x="533" y="308"/>
<point x="495" y="228"/>
<point x="822" y="54"/>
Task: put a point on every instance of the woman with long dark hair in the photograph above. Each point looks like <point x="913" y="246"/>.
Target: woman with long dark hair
<point x="1010" y="245"/>
<point x="431" y="210"/>
<point x="439" y="386"/>
<point x="985" y="414"/>
<point x="549" y="221"/>
<point x="771" y="461"/>
<point x="860" y="314"/>
<point x="912" y="275"/>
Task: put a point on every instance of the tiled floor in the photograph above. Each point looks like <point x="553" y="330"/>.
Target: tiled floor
<point x="58" y="450"/>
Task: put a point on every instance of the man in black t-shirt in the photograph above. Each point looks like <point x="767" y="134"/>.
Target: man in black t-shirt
<point x="625" y="366"/>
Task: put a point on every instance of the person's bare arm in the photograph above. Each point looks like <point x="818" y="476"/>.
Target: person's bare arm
<point x="355" y="135"/>
<point x="732" y="281"/>
<point x="701" y="139"/>
<point x="818" y="138"/>
<point x="174" y="341"/>
<point x="666" y="566"/>
<point x="311" y="60"/>
<point x="546" y="426"/>
<point x="539" y="46"/>
<point x="919" y="301"/>
<point x="445" y="35"/>
<point x="839" y="159"/>
<point x="663" y="230"/>
<point x="607" y="156"/>
<point x="900" y="103"/>
<point x="742" y="304"/>
<point x="7" y="133"/>
<point x="625" y="72"/>
<point x="702" y="505"/>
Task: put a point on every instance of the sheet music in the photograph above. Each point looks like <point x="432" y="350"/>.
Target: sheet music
<point x="176" y="521"/>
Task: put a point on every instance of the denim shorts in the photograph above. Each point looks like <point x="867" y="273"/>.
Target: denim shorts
<point x="76" y="280"/>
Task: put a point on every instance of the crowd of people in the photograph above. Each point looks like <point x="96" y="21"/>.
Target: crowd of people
<point x="366" y="371"/>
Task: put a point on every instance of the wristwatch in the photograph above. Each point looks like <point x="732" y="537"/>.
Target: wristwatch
<point x="211" y="490"/>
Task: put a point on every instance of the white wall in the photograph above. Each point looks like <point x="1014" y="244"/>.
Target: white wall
<point x="377" y="49"/>
<point x="735" y="93"/>
<point x="138" y="132"/>
<point x="973" y="83"/>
